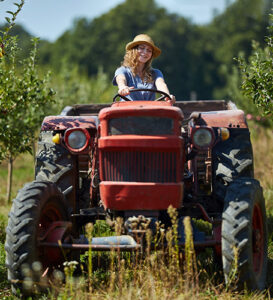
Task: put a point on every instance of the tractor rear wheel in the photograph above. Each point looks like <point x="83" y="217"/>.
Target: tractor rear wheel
<point x="244" y="235"/>
<point x="37" y="208"/>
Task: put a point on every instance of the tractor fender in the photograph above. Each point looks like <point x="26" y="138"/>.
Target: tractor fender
<point x="224" y="118"/>
<point x="65" y="122"/>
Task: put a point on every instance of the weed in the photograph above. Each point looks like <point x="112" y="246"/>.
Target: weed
<point x="191" y="266"/>
<point x="232" y="276"/>
<point x="3" y="224"/>
<point x="3" y="270"/>
<point x="89" y="233"/>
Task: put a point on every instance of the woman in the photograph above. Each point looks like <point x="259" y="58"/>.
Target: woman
<point x="136" y="70"/>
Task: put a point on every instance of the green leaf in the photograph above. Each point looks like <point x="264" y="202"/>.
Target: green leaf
<point x="10" y="12"/>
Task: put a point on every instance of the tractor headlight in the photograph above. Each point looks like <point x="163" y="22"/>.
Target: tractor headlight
<point x="76" y="139"/>
<point x="203" y="137"/>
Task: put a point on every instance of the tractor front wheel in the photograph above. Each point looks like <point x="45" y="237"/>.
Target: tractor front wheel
<point x="244" y="235"/>
<point x="38" y="214"/>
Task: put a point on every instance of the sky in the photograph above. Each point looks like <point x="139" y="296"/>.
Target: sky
<point x="49" y="19"/>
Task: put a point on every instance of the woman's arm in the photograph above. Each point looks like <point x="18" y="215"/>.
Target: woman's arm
<point x="162" y="86"/>
<point x="123" y="89"/>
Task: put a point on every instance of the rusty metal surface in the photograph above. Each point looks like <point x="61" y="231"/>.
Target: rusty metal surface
<point x="56" y="231"/>
<point x="88" y="109"/>
<point x="201" y="169"/>
<point x="186" y="106"/>
<point x="226" y="118"/>
<point x="65" y="122"/>
<point x="83" y="162"/>
<point x="200" y="106"/>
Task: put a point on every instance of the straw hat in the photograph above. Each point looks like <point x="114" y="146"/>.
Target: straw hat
<point x="144" y="39"/>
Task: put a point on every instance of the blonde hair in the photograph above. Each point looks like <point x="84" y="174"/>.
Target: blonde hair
<point x="131" y="61"/>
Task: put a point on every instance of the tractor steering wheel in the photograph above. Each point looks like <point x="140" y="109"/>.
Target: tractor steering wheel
<point x="162" y="97"/>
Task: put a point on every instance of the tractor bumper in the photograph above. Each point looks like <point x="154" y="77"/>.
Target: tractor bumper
<point x="121" y="243"/>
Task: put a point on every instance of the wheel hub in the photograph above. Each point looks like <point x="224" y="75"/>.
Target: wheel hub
<point x="58" y="232"/>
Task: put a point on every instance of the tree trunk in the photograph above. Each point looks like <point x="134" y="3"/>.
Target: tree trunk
<point x="9" y="180"/>
<point x="34" y="152"/>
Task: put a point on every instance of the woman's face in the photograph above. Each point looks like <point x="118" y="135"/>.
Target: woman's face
<point x="145" y="53"/>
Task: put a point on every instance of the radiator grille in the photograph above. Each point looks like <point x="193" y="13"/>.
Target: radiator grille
<point x="139" y="166"/>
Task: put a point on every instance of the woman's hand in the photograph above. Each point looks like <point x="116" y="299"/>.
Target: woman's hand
<point x="125" y="90"/>
<point x="172" y="100"/>
<point x="162" y="86"/>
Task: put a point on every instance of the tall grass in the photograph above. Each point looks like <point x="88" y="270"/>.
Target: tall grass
<point x="155" y="275"/>
<point x="262" y="141"/>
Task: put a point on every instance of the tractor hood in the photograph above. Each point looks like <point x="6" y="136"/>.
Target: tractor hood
<point x="144" y="108"/>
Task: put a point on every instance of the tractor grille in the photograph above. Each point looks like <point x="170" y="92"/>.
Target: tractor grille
<point x="139" y="166"/>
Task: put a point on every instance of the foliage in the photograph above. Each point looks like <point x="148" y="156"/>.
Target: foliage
<point x="24" y="97"/>
<point x="23" y="39"/>
<point x="192" y="55"/>
<point x="215" y="45"/>
<point x="3" y="224"/>
<point x="257" y="75"/>
<point x="75" y="87"/>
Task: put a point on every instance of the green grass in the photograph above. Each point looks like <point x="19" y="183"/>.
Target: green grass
<point x="4" y="284"/>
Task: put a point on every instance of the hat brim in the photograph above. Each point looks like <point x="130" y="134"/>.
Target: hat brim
<point x="156" y="50"/>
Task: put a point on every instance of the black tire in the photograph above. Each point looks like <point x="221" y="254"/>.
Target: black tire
<point x="56" y="164"/>
<point x="36" y="206"/>
<point x="231" y="159"/>
<point x="244" y="227"/>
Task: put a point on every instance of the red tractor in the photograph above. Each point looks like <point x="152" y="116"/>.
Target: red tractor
<point x="133" y="159"/>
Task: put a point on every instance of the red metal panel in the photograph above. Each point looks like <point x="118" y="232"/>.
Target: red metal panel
<point x="141" y="166"/>
<point x="137" y="196"/>
<point x="166" y="112"/>
<point x="142" y="141"/>
<point x="225" y="118"/>
<point x="140" y="108"/>
<point x="123" y="104"/>
<point x="65" y="122"/>
<point x="146" y="108"/>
